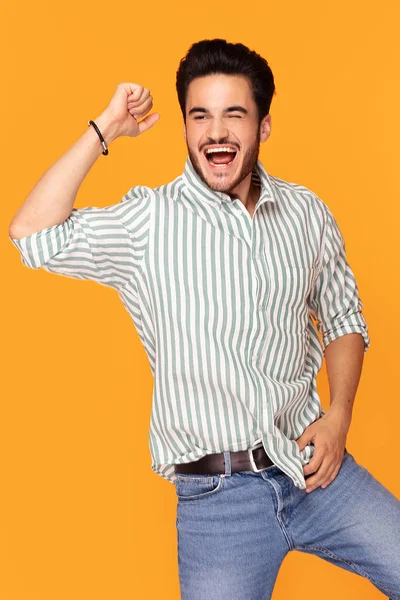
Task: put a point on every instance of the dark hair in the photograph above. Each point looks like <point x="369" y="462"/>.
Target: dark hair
<point x="209" y="57"/>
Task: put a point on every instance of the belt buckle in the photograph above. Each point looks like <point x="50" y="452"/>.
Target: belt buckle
<point x="251" y="457"/>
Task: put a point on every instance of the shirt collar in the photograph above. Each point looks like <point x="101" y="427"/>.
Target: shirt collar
<point x="197" y="186"/>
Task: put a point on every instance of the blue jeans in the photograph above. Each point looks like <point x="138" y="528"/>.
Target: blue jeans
<point x="235" y="529"/>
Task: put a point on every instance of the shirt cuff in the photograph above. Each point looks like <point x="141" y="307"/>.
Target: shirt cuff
<point x="344" y="329"/>
<point x="39" y="247"/>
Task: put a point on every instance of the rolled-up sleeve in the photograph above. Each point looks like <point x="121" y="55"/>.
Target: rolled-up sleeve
<point x="100" y="244"/>
<point x="334" y="301"/>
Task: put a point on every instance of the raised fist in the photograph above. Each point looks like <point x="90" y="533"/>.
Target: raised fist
<point x="130" y="103"/>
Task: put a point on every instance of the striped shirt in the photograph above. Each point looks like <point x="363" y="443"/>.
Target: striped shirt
<point x="234" y="312"/>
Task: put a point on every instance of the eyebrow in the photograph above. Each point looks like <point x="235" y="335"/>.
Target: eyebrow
<point x="230" y="109"/>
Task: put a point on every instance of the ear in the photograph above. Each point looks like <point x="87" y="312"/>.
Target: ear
<point x="265" y="128"/>
<point x="184" y="132"/>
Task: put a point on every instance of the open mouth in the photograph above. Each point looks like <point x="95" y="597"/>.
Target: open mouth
<point x="221" y="157"/>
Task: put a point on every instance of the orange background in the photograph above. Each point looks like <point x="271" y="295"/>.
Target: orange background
<point x="82" y="515"/>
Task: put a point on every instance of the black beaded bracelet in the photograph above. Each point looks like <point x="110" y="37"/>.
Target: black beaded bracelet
<point x="103" y="143"/>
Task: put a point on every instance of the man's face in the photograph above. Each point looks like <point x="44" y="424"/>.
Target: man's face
<point x="222" y="130"/>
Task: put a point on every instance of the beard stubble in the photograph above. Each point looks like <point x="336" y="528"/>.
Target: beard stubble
<point x="249" y="162"/>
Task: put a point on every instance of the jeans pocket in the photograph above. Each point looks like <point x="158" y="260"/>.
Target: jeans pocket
<point x="194" y="487"/>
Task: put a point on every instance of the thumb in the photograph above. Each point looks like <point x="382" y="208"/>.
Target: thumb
<point x="148" y="122"/>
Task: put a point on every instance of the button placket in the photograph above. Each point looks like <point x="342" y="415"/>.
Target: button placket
<point x="256" y="355"/>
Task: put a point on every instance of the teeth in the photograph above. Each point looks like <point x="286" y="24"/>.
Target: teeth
<point x="210" y="150"/>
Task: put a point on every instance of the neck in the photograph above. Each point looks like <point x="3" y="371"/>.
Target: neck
<point x="246" y="192"/>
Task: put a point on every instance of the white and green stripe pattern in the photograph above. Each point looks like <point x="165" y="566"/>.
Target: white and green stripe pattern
<point x="227" y="307"/>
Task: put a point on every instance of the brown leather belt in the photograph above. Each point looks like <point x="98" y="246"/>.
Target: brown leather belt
<point x="252" y="459"/>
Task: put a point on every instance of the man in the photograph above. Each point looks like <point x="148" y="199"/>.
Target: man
<point x="224" y="271"/>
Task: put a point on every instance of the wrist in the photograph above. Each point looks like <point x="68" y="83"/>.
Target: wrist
<point x="343" y="412"/>
<point x="109" y="128"/>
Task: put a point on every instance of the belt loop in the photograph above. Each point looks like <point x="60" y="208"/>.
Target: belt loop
<point x="227" y="463"/>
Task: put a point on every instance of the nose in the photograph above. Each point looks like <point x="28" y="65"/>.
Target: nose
<point x="218" y="131"/>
